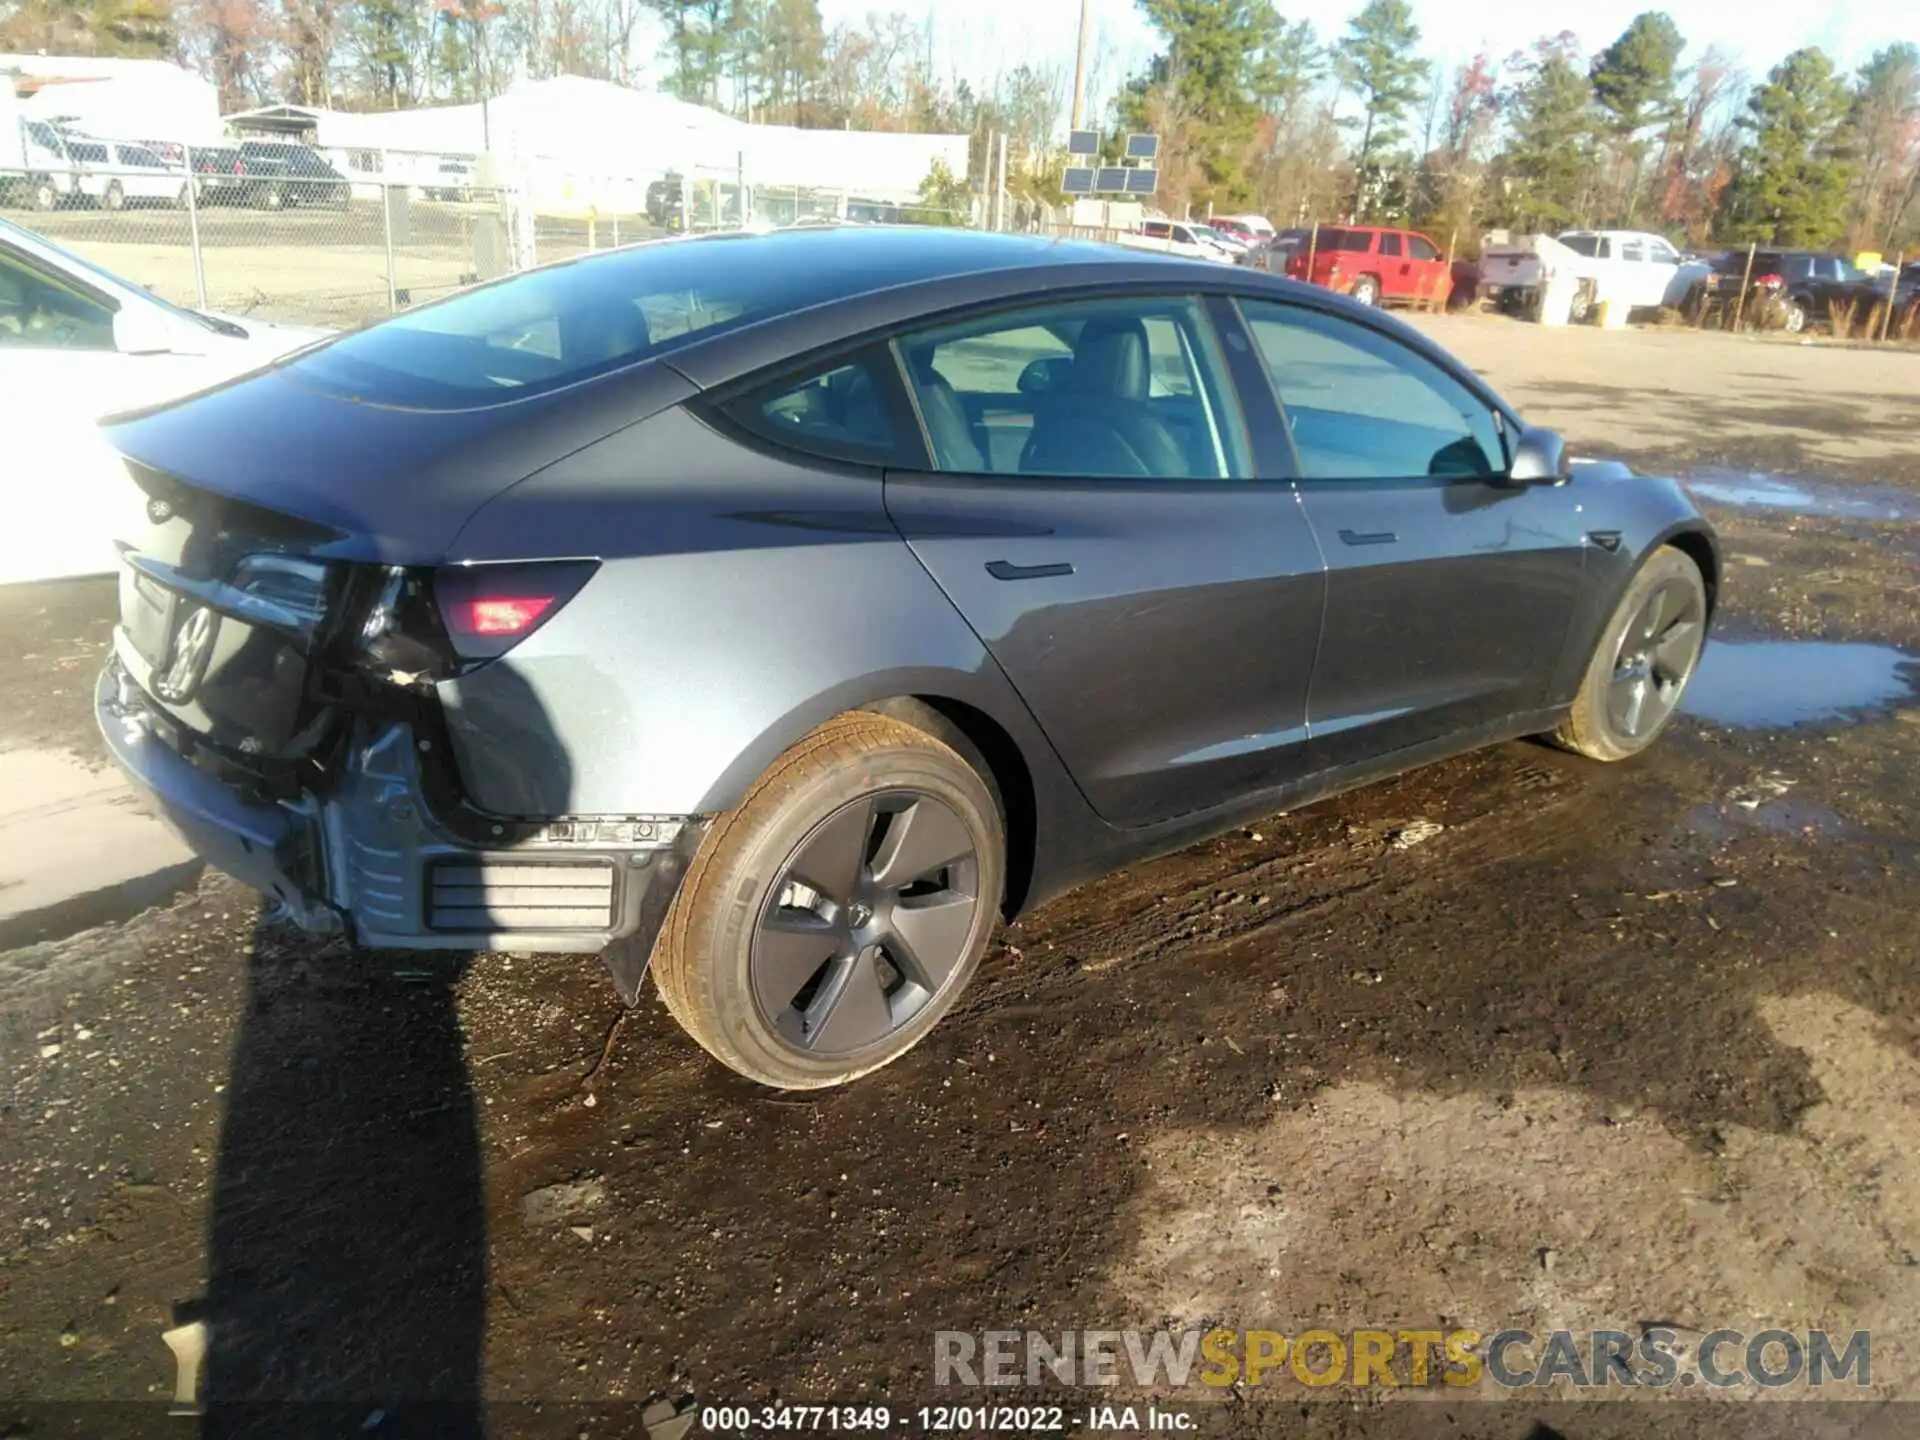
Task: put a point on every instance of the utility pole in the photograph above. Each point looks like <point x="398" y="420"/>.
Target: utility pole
<point x="1080" y="69"/>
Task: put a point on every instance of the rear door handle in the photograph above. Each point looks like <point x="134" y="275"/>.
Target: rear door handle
<point x="1369" y="537"/>
<point x="1007" y="570"/>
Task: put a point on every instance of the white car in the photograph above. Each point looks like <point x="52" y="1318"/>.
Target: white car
<point x="1176" y="237"/>
<point x="113" y="174"/>
<point x="1631" y="268"/>
<point x="77" y="343"/>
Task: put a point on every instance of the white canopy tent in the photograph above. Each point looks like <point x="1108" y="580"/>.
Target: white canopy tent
<point x="118" y="99"/>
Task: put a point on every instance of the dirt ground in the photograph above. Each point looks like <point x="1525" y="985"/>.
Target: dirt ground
<point x="1616" y="1047"/>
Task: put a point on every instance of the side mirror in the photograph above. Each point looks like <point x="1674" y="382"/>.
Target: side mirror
<point x="138" y="332"/>
<point x="1540" y="458"/>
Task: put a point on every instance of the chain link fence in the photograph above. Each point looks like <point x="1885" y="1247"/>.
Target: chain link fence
<point x="279" y="231"/>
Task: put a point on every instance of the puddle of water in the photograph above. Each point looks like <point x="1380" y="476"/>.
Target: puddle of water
<point x="1753" y="490"/>
<point x="1767" y="683"/>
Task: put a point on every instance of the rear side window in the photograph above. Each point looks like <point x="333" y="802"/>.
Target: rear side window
<point x="1389" y="244"/>
<point x="845" y="410"/>
<point x="1357" y="241"/>
<point x="1588" y="245"/>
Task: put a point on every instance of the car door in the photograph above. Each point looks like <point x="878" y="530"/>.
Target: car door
<point x="1139" y="566"/>
<point x="1395" y="268"/>
<point x="1449" y="590"/>
<point x="1433" y="282"/>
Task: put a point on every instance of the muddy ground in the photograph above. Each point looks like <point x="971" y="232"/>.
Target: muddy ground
<point x="1617" y="1047"/>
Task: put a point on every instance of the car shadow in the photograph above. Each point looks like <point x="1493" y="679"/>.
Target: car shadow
<point x="332" y="1306"/>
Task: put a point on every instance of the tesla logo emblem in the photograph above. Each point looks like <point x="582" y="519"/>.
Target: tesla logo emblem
<point x="186" y="661"/>
<point x="159" y="511"/>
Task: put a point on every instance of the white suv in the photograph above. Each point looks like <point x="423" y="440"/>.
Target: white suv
<point x="111" y="173"/>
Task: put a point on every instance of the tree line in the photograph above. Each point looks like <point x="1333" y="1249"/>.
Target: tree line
<point x="1254" y="111"/>
<point x="1645" y="133"/>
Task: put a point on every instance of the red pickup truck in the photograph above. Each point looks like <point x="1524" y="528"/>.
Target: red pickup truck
<point x="1375" y="265"/>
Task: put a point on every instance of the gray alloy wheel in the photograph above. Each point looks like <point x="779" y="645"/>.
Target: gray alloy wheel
<point x="1581" y="310"/>
<point x="866" y="924"/>
<point x="115" y="197"/>
<point x="45" y="197"/>
<point x="274" y="199"/>
<point x="1796" y="320"/>
<point x="1366" y="290"/>
<point x="834" y="915"/>
<point x="1646" y="656"/>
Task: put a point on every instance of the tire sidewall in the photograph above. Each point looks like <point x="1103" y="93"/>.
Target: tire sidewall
<point x="735" y="890"/>
<point x="1595" y="727"/>
<point x="1366" y="290"/>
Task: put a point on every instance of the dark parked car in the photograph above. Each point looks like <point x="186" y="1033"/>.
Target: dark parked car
<point x="275" y="174"/>
<point x="788" y="608"/>
<point x="1809" y="284"/>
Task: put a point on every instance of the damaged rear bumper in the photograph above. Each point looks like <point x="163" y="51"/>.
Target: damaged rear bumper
<point x="369" y="858"/>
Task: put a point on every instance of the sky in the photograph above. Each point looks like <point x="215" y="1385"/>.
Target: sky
<point x="973" y="39"/>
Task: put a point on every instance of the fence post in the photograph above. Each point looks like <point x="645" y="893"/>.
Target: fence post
<point x="1746" y="279"/>
<point x="386" y="227"/>
<point x="1446" y="279"/>
<point x="1313" y="249"/>
<point x="1893" y="294"/>
<point x="193" y="232"/>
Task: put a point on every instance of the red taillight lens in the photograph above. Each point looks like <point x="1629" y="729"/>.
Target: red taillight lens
<point x="502" y="615"/>
<point x="1774" y="280"/>
<point x="488" y="609"/>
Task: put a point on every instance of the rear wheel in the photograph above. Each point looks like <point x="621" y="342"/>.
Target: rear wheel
<point x="1795" y="316"/>
<point x="1641" y="667"/>
<point x="114" y="198"/>
<point x="1366" y="290"/>
<point x="834" y="916"/>
<point x="184" y="200"/>
<point x="273" y="198"/>
<point x="45" y="196"/>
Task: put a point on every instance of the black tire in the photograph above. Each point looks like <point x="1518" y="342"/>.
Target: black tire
<point x="744" y="926"/>
<point x="45" y="196"/>
<point x="114" y="198"/>
<point x="1646" y="648"/>
<point x="1366" y="290"/>
<point x="1798" y="312"/>
<point x="273" y="198"/>
<point x="1583" y="307"/>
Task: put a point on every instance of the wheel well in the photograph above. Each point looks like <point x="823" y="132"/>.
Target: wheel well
<point x="979" y="737"/>
<point x="1696" y="547"/>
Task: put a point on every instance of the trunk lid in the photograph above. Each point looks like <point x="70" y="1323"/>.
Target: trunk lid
<point x="276" y="516"/>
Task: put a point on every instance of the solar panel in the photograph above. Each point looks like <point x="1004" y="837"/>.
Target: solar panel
<point x="1083" y="142"/>
<point x="1078" y="180"/>
<point x="1143" y="147"/>
<point x="1142" y="182"/>
<point x="1112" y="180"/>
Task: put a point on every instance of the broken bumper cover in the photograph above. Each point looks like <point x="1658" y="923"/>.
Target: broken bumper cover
<point x="370" y="860"/>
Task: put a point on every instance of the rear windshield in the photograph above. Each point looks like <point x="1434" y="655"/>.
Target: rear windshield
<point x="1357" y="240"/>
<point x="536" y="332"/>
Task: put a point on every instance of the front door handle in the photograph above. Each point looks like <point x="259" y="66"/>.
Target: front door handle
<point x="1369" y="537"/>
<point x="1007" y="570"/>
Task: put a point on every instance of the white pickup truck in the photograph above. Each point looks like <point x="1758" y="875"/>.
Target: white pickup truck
<point x="1631" y="268"/>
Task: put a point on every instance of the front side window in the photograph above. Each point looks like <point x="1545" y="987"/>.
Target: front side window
<point x="1664" y="253"/>
<point x="1362" y="406"/>
<point x="1112" y="389"/>
<point x="840" y="412"/>
<point x="1390" y="245"/>
<point x="1634" y="250"/>
<point x="1422" y="248"/>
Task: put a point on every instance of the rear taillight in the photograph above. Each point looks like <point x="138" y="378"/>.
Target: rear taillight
<point x="1772" y="282"/>
<point x="488" y="609"/>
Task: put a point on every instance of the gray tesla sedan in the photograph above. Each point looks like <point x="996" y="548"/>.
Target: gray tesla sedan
<point x="783" y="610"/>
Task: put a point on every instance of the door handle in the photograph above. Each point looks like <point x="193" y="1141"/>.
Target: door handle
<point x="1007" y="570"/>
<point x="1369" y="537"/>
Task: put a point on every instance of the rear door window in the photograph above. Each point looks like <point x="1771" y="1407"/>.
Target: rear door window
<point x="1114" y="389"/>
<point x="1357" y="242"/>
<point x="1390" y="245"/>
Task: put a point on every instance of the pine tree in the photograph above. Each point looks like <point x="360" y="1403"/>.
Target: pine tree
<point x="1377" y="60"/>
<point x="1548" y="162"/>
<point x="1633" y="84"/>
<point x="1791" y="184"/>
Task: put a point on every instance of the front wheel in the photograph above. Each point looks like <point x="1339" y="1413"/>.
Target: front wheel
<point x="835" y="915"/>
<point x="1641" y="667"/>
